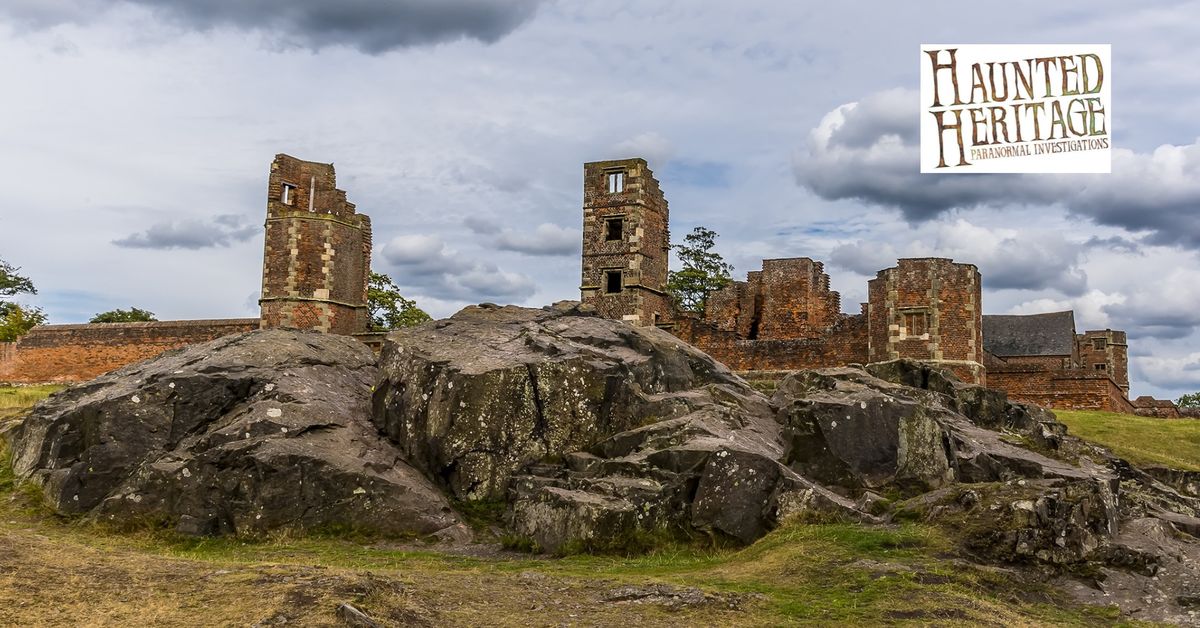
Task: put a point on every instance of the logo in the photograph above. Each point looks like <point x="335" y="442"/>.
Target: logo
<point x="1016" y="108"/>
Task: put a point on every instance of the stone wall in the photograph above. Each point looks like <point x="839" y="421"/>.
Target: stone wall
<point x="317" y="251"/>
<point x="73" y="353"/>
<point x="1073" y="389"/>
<point x="928" y="309"/>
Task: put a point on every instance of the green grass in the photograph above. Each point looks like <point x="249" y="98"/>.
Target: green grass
<point x="1141" y="440"/>
<point x="19" y="397"/>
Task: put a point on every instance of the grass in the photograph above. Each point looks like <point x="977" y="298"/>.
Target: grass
<point x="1141" y="440"/>
<point x="55" y="571"/>
<point x="21" y="397"/>
<point x="15" y="400"/>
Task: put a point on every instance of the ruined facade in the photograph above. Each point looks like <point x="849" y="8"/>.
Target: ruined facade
<point x="785" y="317"/>
<point x="625" y="242"/>
<point x="316" y="263"/>
<point x="316" y="253"/>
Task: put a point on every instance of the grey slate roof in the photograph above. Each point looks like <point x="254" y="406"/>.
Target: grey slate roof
<point x="1033" y="334"/>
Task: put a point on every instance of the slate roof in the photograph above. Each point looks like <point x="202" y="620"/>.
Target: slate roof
<point x="1033" y="334"/>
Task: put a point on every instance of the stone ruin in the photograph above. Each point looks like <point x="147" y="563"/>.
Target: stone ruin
<point x="785" y="317"/>
<point x="782" y="318"/>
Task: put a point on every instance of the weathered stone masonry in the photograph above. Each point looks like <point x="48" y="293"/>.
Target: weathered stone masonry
<point x="625" y="242"/>
<point x="316" y="253"/>
<point x="928" y="309"/>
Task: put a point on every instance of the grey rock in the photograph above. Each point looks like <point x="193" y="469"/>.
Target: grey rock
<point x="599" y="434"/>
<point x="248" y="433"/>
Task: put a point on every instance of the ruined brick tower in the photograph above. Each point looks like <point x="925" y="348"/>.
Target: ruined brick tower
<point x="928" y="309"/>
<point x="1105" y="350"/>
<point x="316" y="258"/>
<point x="625" y="242"/>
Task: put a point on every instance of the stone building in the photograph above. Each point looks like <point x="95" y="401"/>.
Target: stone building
<point x="785" y="317"/>
<point x="1039" y="358"/>
<point x="625" y="242"/>
<point x="316" y="262"/>
<point x="316" y="253"/>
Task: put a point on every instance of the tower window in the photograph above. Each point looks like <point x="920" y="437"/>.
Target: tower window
<point x="916" y="323"/>
<point x="287" y="195"/>
<point x="616" y="182"/>
<point x="1099" y="344"/>
<point x="1101" y="367"/>
<point x="614" y="229"/>
<point x="612" y="281"/>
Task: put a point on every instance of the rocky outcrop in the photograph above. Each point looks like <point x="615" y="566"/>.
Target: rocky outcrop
<point x="592" y="434"/>
<point x="596" y="431"/>
<point x="248" y="433"/>
<point x="906" y="425"/>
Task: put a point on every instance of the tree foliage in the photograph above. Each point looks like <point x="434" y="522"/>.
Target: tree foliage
<point x="1191" y="400"/>
<point x="132" y="315"/>
<point x="12" y="284"/>
<point x="704" y="271"/>
<point x="16" y="319"/>
<point x="388" y="309"/>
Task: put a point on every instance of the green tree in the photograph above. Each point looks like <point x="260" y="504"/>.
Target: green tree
<point x="16" y="319"/>
<point x="132" y="315"/>
<point x="390" y="310"/>
<point x="1189" y="401"/>
<point x="704" y="271"/>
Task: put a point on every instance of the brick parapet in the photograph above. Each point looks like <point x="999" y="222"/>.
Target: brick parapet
<point x="844" y="343"/>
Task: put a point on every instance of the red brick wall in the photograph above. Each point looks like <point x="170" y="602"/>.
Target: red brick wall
<point x="788" y="299"/>
<point x="72" y="353"/>
<point x="1075" y="389"/>
<point x="844" y="343"/>
<point x="1158" y="408"/>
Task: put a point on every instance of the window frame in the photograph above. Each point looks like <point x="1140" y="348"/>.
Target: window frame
<point x="608" y="232"/>
<point x="608" y="281"/>
<point x="614" y="181"/>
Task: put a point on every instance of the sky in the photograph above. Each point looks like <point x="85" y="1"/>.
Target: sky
<point x="136" y="136"/>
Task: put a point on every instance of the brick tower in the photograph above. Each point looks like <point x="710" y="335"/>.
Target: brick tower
<point x="625" y="242"/>
<point x="1105" y="350"/>
<point x="317" y="255"/>
<point x="928" y="309"/>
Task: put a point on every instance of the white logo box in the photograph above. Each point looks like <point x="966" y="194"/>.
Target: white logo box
<point x="1020" y="108"/>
